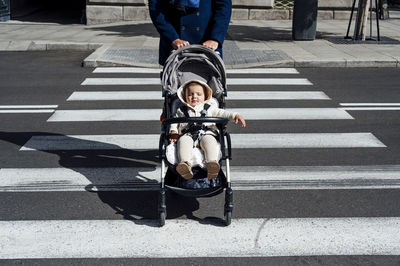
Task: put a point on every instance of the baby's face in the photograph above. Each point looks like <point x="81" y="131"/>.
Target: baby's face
<point x="194" y="95"/>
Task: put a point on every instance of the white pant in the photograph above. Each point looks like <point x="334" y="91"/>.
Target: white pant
<point x="208" y="144"/>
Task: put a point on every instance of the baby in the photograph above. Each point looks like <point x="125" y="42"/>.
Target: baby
<point x="194" y="94"/>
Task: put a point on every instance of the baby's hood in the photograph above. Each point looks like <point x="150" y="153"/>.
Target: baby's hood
<point x="180" y="91"/>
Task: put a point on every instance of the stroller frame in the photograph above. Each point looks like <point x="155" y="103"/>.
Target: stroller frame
<point x="168" y="172"/>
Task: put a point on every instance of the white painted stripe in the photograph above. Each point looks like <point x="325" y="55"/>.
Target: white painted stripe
<point x="277" y="95"/>
<point x="92" y="142"/>
<point x="231" y="81"/>
<point x="229" y="71"/>
<point x="316" y="177"/>
<point x="233" y="95"/>
<point x="38" y="111"/>
<point x="263" y="71"/>
<point x="243" y="238"/>
<point x="370" y="104"/>
<point x="127" y="70"/>
<point x="154" y="114"/>
<point x="80" y="179"/>
<point x="306" y="140"/>
<point x="115" y="95"/>
<point x="239" y="141"/>
<point x="370" y="108"/>
<point x="243" y="178"/>
<point x="28" y="106"/>
<point x="121" y="81"/>
<point x="268" y="81"/>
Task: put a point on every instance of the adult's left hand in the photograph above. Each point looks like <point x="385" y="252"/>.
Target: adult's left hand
<point x="213" y="45"/>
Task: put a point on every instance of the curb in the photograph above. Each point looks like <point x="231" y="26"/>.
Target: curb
<point x="12" y="46"/>
<point x="94" y="59"/>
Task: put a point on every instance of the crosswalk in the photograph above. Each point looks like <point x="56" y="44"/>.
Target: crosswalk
<point x="249" y="237"/>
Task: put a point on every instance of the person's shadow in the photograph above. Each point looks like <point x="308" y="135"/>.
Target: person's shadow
<point x="122" y="178"/>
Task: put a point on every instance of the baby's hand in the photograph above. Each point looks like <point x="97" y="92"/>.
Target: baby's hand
<point x="241" y="119"/>
<point x="174" y="136"/>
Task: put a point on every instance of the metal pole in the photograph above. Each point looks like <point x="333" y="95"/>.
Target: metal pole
<point x="357" y="20"/>
<point x="351" y="18"/>
<point x="370" y="19"/>
<point x="228" y="171"/>
<point x="377" y="20"/>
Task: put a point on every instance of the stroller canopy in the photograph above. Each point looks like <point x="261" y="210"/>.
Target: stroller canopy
<point x="194" y="62"/>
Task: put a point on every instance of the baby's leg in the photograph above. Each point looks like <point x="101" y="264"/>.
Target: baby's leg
<point x="209" y="144"/>
<point x="185" y="147"/>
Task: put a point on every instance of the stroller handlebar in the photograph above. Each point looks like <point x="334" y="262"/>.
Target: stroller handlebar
<point x="216" y="120"/>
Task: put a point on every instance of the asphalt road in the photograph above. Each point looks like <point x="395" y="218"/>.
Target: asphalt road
<point x="49" y="78"/>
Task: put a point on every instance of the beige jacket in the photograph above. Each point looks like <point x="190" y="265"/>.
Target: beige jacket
<point x="213" y="111"/>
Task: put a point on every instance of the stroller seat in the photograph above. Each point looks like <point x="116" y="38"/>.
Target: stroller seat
<point x="197" y="153"/>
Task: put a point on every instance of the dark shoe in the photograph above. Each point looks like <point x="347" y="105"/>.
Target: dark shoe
<point x="212" y="169"/>
<point x="185" y="170"/>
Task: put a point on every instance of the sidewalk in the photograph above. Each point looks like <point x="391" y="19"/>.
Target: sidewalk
<point x="248" y="43"/>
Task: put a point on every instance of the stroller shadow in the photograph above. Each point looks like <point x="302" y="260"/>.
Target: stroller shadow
<point x="102" y="166"/>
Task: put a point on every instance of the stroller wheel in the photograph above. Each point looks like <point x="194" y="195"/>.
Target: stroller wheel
<point x="228" y="218"/>
<point x="162" y="218"/>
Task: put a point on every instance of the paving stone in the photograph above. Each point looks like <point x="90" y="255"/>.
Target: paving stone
<point x="103" y="14"/>
<point x="240" y="13"/>
<point x="343" y="14"/>
<point x="335" y="3"/>
<point x="325" y="14"/>
<point x="136" y="13"/>
<point x="254" y="3"/>
<point x="271" y="14"/>
<point x="121" y="2"/>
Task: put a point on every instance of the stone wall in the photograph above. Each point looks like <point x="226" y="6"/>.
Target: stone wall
<point x="106" y="11"/>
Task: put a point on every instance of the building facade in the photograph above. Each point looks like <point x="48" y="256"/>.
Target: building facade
<point x="108" y="11"/>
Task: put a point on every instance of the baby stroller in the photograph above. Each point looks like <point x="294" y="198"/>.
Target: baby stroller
<point x="189" y="63"/>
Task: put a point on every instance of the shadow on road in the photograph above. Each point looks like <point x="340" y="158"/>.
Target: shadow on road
<point x="137" y="205"/>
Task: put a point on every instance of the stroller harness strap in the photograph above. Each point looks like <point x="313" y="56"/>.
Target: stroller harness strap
<point x="197" y="130"/>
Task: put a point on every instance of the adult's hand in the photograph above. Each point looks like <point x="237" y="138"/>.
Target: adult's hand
<point x="178" y="43"/>
<point x="213" y="45"/>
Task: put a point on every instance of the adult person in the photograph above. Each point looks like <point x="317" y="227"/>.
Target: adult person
<point x="184" y="22"/>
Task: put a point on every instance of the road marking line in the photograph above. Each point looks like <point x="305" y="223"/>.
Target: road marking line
<point x="233" y="95"/>
<point x="243" y="238"/>
<point x="231" y="81"/>
<point x="263" y="71"/>
<point x="80" y="179"/>
<point x="38" y="111"/>
<point x="239" y="141"/>
<point x="154" y="114"/>
<point x="229" y="71"/>
<point x="126" y="70"/>
<point x="315" y="177"/>
<point x="370" y="104"/>
<point x="121" y="81"/>
<point x="28" y="106"/>
<point x="115" y="95"/>
<point x="243" y="178"/>
<point x="370" y="108"/>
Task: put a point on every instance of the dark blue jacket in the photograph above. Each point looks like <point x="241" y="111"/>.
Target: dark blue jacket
<point x="209" y="22"/>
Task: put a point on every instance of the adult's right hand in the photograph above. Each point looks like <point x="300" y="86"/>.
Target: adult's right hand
<point x="178" y="43"/>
